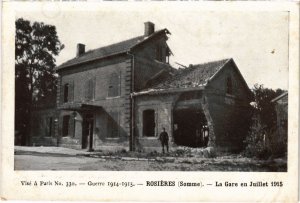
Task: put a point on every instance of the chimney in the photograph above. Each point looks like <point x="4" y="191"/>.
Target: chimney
<point x="80" y="49"/>
<point x="149" y="28"/>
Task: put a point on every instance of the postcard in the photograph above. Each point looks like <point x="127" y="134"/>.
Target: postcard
<point x="150" y="101"/>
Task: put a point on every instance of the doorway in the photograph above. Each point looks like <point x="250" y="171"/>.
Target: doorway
<point x="190" y="128"/>
<point x="87" y="131"/>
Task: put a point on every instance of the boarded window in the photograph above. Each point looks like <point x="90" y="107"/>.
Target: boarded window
<point x="113" y="125"/>
<point x="114" y="85"/>
<point x="90" y="89"/>
<point x="229" y="85"/>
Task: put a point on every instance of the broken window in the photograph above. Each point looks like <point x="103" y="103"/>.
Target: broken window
<point x="149" y="123"/>
<point x="168" y="55"/>
<point x="113" y="125"/>
<point x="66" y="126"/>
<point x="114" y="85"/>
<point x="229" y="86"/>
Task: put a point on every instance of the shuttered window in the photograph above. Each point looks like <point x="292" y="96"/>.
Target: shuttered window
<point x="67" y="92"/>
<point x="66" y="126"/>
<point x="49" y="126"/>
<point x="90" y="89"/>
<point x="114" y="85"/>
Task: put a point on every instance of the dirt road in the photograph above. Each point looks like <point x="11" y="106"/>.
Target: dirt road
<point x="48" y="161"/>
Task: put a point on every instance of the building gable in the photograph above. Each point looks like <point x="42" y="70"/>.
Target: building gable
<point x="228" y="80"/>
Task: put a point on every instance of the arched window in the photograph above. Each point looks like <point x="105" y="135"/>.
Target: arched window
<point x="114" y="85"/>
<point x="229" y="85"/>
<point x="149" y="123"/>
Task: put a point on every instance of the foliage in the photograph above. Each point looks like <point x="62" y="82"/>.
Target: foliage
<point x="265" y="108"/>
<point x="255" y="143"/>
<point x="261" y="141"/>
<point x="36" y="45"/>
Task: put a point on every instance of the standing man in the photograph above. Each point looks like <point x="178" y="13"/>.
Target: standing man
<point x="206" y="135"/>
<point x="164" y="139"/>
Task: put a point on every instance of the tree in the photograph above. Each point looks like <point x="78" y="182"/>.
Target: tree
<point x="265" y="108"/>
<point x="36" y="45"/>
<point x="260" y="141"/>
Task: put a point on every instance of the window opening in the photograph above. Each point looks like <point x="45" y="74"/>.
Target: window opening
<point x="229" y="86"/>
<point x="66" y="92"/>
<point x="65" y="130"/>
<point x="149" y="123"/>
<point x="114" y="85"/>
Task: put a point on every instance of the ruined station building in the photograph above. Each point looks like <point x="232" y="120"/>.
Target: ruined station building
<point x="121" y="96"/>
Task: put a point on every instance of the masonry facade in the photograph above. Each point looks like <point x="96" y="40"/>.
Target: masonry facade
<point x="121" y="96"/>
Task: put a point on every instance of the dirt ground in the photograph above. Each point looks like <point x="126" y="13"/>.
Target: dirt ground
<point x="37" y="159"/>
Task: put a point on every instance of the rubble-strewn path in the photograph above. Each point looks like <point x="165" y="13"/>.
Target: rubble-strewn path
<point x="58" y="158"/>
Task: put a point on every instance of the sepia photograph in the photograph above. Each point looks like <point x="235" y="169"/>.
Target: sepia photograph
<point x="150" y="101"/>
<point x="196" y="91"/>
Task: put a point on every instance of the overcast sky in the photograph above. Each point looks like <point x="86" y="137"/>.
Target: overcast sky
<point x="257" y="41"/>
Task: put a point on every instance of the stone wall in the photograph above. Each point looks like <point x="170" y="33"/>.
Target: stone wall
<point x="163" y="107"/>
<point x="230" y="113"/>
<point x="120" y="104"/>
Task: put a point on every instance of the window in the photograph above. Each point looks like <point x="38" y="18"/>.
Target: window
<point x="65" y="127"/>
<point x="113" y="125"/>
<point x="229" y="86"/>
<point x="90" y="89"/>
<point x="66" y="92"/>
<point x="168" y="54"/>
<point x="49" y="126"/>
<point x="114" y="85"/>
<point x="149" y="123"/>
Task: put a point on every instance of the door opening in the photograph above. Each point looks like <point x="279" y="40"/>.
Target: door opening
<point x="87" y="131"/>
<point x="190" y="128"/>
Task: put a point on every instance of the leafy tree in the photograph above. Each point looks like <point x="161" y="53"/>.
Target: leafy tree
<point x="260" y="141"/>
<point x="36" y="45"/>
<point x="265" y="108"/>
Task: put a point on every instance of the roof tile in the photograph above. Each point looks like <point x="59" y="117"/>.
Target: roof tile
<point x="193" y="76"/>
<point x="109" y="50"/>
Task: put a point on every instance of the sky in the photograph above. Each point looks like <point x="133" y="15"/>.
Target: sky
<point x="257" y="41"/>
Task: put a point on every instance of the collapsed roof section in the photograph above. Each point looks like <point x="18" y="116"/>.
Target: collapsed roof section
<point x="193" y="77"/>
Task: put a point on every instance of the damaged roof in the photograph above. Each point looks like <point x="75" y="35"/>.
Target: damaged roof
<point x="192" y="76"/>
<point x="110" y="50"/>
